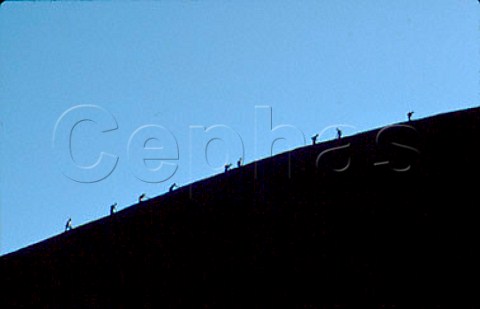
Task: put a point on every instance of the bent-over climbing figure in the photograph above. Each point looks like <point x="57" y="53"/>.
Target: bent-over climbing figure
<point x="113" y="208"/>
<point x="314" y="139"/>
<point x="68" y="225"/>
<point x="227" y="167"/>
<point x="409" y="115"/>
<point x="173" y="186"/>
<point x="142" y="197"/>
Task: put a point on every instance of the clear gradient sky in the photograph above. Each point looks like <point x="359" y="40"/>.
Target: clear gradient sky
<point x="162" y="71"/>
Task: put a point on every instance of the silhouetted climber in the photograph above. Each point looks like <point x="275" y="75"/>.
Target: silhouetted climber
<point x="142" y="197"/>
<point x="339" y="133"/>
<point x="239" y="162"/>
<point x="314" y="139"/>
<point x="409" y="115"/>
<point x="173" y="186"/>
<point x="68" y="226"/>
<point x="227" y="167"/>
<point x="113" y="208"/>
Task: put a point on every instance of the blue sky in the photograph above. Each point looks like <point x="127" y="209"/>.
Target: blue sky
<point x="178" y="74"/>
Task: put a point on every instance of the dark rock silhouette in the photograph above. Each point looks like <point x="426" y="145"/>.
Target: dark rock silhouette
<point x="398" y="224"/>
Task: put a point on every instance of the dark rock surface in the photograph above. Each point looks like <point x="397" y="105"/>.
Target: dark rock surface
<point x="381" y="217"/>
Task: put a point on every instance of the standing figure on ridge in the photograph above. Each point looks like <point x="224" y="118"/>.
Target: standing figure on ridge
<point x="409" y="115"/>
<point x="142" y="197"/>
<point x="68" y="225"/>
<point x="339" y="133"/>
<point x="113" y="208"/>
<point x="314" y="139"/>
<point x="227" y="167"/>
<point x="173" y="186"/>
<point x="239" y="162"/>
